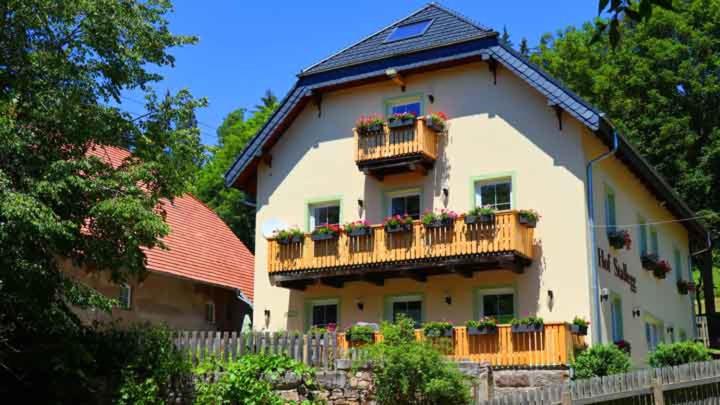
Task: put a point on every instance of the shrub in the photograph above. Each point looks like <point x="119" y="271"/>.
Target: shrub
<point x="402" y="331"/>
<point x="600" y="361"/>
<point x="678" y="353"/>
<point x="249" y="380"/>
<point x="360" y="333"/>
<point x="410" y="372"/>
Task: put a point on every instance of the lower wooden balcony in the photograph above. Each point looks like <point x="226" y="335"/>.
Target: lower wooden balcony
<point x="459" y="248"/>
<point x="552" y="347"/>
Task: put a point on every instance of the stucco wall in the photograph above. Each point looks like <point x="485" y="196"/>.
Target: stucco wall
<point x="505" y="128"/>
<point x="657" y="298"/>
<point x="160" y="298"/>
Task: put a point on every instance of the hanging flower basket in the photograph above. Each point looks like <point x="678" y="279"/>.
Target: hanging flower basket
<point x="662" y="269"/>
<point x="649" y="261"/>
<point x="620" y="239"/>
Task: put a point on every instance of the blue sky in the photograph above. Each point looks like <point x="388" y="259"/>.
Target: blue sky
<point x="247" y="46"/>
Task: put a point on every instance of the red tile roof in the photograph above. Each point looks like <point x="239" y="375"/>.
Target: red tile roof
<point x="200" y="245"/>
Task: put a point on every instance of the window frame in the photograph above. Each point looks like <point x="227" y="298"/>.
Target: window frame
<point x="658" y="325"/>
<point x="310" y="304"/>
<point x="429" y="22"/>
<point x="480" y="293"/>
<point x="490" y="179"/>
<point x="328" y="201"/>
<point x="127" y="306"/>
<point x="610" y="209"/>
<point x="403" y="193"/>
<point x="390" y="300"/>
<point x="413" y="98"/>
<point x="617" y="320"/>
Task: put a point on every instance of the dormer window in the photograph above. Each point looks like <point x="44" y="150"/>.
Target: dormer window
<point x="408" y="31"/>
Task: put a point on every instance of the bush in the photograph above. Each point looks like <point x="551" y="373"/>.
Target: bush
<point x="360" y="333"/>
<point x="600" y="361"/>
<point x="678" y="353"/>
<point x="402" y="331"/>
<point x="249" y="380"/>
<point x="408" y="372"/>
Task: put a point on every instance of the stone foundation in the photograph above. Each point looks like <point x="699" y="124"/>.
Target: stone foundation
<point x="508" y="381"/>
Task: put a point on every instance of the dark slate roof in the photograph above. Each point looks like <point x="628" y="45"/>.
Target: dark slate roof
<point x="447" y="27"/>
<point x="362" y="62"/>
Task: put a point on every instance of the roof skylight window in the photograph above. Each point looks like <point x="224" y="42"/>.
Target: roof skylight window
<point x="408" y="31"/>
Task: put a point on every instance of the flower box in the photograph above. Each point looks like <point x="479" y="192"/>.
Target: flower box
<point x="434" y="125"/>
<point x="661" y="270"/>
<point x="471" y="219"/>
<point x="290" y="240"/>
<point x="441" y="223"/>
<point x="402" y="123"/>
<point x="486" y="218"/>
<point x="371" y="129"/>
<point x="649" y="261"/>
<point x="580" y="330"/>
<point x="485" y="330"/>
<point x="527" y="328"/>
<point x="319" y="237"/>
<point x="401" y="228"/>
<point x="619" y="239"/>
<point x="528" y="218"/>
<point x="437" y="333"/>
<point x="357" y="232"/>
<point x="530" y="223"/>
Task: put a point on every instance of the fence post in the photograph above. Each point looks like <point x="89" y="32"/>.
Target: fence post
<point x="658" y="392"/>
<point x="566" y="398"/>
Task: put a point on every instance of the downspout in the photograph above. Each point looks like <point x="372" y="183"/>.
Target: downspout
<point x="596" y="316"/>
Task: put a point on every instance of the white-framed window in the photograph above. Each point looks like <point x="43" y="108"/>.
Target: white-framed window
<point x="616" y="319"/>
<point x="653" y="333"/>
<point x="210" y="312"/>
<point x="324" y="213"/>
<point x="405" y="202"/>
<point x="495" y="193"/>
<point x="324" y="312"/>
<point x="498" y="303"/>
<point x="411" y="104"/>
<point x="125" y="297"/>
<point x="409" y="305"/>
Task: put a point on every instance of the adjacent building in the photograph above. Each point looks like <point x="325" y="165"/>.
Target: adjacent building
<point x="202" y="281"/>
<point x="515" y="139"/>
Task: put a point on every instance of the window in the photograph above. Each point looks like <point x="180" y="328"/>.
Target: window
<point x="323" y="313"/>
<point x="497" y="303"/>
<point x="642" y="231"/>
<point x="405" y="203"/>
<point x="610" y="218"/>
<point x="210" y="312"/>
<point x="125" y="296"/>
<point x="494" y="193"/>
<point x="653" y="333"/>
<point x="677" y="264"/>
<point x="406" y="104"/>
<point x="682" y="335"/>
<point x="325" y="213"/>
<point x="654" y="244"/>
<point x="408" y="31"/>
<point x="410" y="306"/>
<point x="616" y="319"/>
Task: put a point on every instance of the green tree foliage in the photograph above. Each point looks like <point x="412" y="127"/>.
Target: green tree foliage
<point x="601" y="361"/>
<point x="661" y="88"/>
<point x="233" y="135"/>
<point x="505" y="37"/>
<point x="678" y="353"/>
<point x="61" y="64"/>
<point x="524" y="48"/>
<point x="618" y="10"/>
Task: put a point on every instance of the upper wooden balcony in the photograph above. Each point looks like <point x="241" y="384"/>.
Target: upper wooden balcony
<point x="459" y="248"/>
<point x="412" y="148"/>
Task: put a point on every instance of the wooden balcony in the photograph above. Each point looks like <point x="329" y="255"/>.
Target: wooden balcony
<point x="396" y="150"/>
<point x="551" y="347"/>
<point x="460" y="248"/>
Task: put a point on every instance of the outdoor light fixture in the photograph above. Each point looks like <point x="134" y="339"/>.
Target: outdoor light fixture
<point x="551" y="299"/>
<point x="360" y="202"/>
<point x="636" y="312"/>
<point x="446" y="192"/>
<point x="448" y="299"/>
<point x="604" y="294"/>
<point x="670" y="330"/>
<point x="360" y="305"/>
<point x="431" y="98"/>
<point x="267" y="317"/>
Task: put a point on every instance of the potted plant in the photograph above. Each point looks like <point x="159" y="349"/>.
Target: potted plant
<point x="623" y="345"/>
<point x="483" y="326"/>
<point x="288" y="236"/>
<point x="438" y="329"/>
<point x="662" y="269"/>
<point x="443" y="219"/>
<point x="398" y="223"/>
<point x="399" y="120"/>
<point x="528" y="218"/>
<point x="579" y="326"/>
<point x="357" y="228"/>
<point x="361" y="334"/>
<point x="369" y="124"/>
<point x="527" y="325"/>
<point x="620" y="239"/>
<point x="325" y="232"/>
<point x="649" y="261"/>
<point x="436" y="121"/>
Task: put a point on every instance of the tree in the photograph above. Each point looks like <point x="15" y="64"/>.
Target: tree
<point x="661" y="87"/>
<point x="524" y="49"/>
<point x="618" y="10"/>
<point x="505" y="38"/>
<point x="62" y="63"/>
<point x="229" y="203"/>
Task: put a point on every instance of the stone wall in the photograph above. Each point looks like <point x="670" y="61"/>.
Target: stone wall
<point x="508" y="381"/>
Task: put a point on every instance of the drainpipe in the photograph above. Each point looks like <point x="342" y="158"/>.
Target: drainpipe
<point x="594" y="277"/>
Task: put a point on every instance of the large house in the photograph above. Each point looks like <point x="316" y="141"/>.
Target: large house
<point x="608" y="246"/>
<point x="202" y="281"/>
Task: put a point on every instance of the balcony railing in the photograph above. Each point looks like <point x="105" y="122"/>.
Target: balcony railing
<point x="553" y="346"/>
<point x="415" y="144"/>
<point x="465" y="244"/>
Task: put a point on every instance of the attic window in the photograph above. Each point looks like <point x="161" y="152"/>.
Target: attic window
<point x="408" y="31"/>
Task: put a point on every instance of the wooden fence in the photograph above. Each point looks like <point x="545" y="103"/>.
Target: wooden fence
<point x="696" y="383"/>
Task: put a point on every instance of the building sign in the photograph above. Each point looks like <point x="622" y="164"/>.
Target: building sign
<point x="619" y="270"/>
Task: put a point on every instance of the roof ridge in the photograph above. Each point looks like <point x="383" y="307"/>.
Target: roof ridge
<point x="365" y="38"/>
<point x="460" y="16"/>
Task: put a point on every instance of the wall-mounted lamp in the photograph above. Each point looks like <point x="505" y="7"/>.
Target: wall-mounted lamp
<point x="360" y="202"/>
<point x="448" y="299"/>
<point x="360" y="305"/>
<point x="604" y="294"/>
<point x="431" y="98"/>
<point x="551" y="299"/>
<point x="636" y="312"/>
<point x="670" y="330"/>
<point x="446" y="192"/>
<point x="267" y="318"/>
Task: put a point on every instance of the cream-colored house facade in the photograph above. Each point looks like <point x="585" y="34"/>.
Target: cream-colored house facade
<point x="514" y="140"/>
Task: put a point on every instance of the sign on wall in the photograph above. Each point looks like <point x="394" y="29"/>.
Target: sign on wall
<point x="619" y="270"/>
